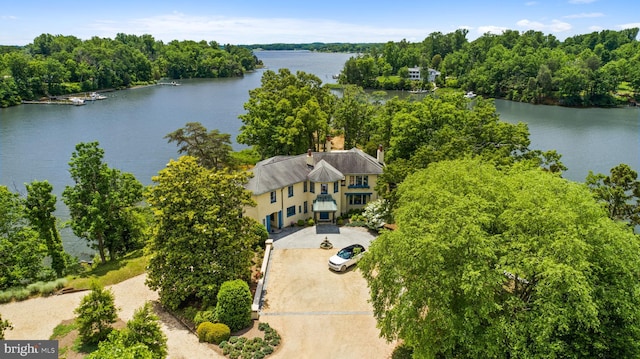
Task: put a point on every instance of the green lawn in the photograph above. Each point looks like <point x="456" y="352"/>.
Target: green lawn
<point x="112" y="272"/>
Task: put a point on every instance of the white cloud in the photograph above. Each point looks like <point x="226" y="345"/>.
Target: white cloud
<point x="8" y="17"/>
<point x="531" y="3"/>
<point x="248" y="30"/>
<point x="581" y="1"/>
<point x="554" y="26"/>
<point x="596" y="28"/>
<point x="584" y="15"/>
<point x="628" y="26"/>
<point x="497" y="30"/>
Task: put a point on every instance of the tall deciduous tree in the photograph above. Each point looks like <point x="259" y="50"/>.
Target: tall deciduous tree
<point x="353" y="115"/>
<point x="101" y="201"/>
<point x="211" y="148"/>
<point x="446" y="128"/>
<point x="514" y="264"/>
<point x="287" y="115"/>
<point x="620" y="193"/>
<point x="21" y="251"/>
<point x="201" y="239"/>
<point x="40" y="205"/>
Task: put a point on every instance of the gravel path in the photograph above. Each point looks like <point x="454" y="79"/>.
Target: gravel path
<point x="36" y="318"/>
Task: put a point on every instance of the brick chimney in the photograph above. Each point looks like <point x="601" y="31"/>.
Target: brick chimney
<point x="310" y="160"/>
<point x="380" y="154"/>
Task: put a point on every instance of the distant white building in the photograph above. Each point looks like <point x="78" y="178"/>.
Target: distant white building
<point x="415" y="74"/>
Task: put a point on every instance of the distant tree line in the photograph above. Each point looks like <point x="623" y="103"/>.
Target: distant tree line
<point x="317" y="46"/>
<point x="56" y="64"/>
<point x="596" y="69"/>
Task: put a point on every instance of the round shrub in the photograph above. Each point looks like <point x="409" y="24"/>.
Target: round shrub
<point x="310" y="222"/>
<point x="203" y="331"/>
<point x="234" y="304"/>
<point x="218" y="333"/>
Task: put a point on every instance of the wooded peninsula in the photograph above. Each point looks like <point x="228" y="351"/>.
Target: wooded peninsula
<point x="595" y="69"/>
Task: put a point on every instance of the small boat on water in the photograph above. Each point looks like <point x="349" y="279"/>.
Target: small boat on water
<point x="76" y="101"/>
<point x="418" y="91"/>
<point x="94" y="96"/>
<point x="172" y="83"/>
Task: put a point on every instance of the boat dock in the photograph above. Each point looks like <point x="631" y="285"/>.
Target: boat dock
<point x="78" y="100"/>
<point x="72" y="101"/>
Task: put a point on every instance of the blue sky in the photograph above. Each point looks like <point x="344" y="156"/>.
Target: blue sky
<point x="296" y="21"/>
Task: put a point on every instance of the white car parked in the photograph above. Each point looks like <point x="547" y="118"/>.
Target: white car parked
<point x="346" y="257"/>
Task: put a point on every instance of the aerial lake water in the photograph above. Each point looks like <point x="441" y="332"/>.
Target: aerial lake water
<point x="36" y="141"/>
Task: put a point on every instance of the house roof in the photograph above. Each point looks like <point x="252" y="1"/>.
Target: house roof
<point x="281" y="171"/>
<point x="324" y="172"/>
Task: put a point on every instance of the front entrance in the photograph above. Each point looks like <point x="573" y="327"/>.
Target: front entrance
<point x="324" y="216"/>
<point x="273" y="222"/>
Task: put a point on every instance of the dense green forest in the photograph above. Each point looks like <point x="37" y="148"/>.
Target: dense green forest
<point x="596" y="69"/>
<point x="317" y="46"/>
<point x="55" y="65"/>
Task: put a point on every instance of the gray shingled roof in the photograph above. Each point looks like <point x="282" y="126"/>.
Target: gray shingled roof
<point x="324" y="172"/>
<point x="281" y="171"/>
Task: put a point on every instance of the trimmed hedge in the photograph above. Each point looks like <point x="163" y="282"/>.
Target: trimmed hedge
<point x="214" y="333"/>
<point x="234" y="304"/>
<point x="218" y="333"/>
<point x="203" y="331"/>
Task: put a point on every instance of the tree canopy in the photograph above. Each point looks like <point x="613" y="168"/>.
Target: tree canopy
<point x="58" y="64"/>
<point x="619" y="191"/>
<point x="211" y="148"/>
<point x="21" y="250"/>
<point x="517" y="263"/>
<point x="201" y="239"/>
<point x="40" y="205"/>
<point x="530" y="66"/>
<point x="102" y="202"/>
<point x="288" y="114"/>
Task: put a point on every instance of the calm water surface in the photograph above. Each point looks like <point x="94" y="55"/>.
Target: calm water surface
<point x="36" y="141"/>
<point x="593" y="139"/>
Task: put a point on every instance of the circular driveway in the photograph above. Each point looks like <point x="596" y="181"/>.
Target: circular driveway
<point x="320" y="313"/>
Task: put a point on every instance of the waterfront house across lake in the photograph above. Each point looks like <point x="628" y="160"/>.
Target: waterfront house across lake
<point x="318" y="185"/>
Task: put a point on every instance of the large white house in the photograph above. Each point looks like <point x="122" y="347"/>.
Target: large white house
<point x="318" y="185"/>
<point x="415" y="74"/>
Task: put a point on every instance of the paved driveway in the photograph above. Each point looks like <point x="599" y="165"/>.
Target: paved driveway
<point x="320" y="313"/>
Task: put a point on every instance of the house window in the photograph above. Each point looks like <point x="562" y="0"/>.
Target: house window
<point x="358" y="199"/>
<point x="312" y="187"/>
<point x="304" y="186"/>
<point x="273" y="197"/>
<point x="290" y="191"/>
<point x="324" y="188"/>
<point x="291" y="211"/>
<point x="359" y="181"/>
<point x="305" y="207"/>
<point x="335" y="187"/>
